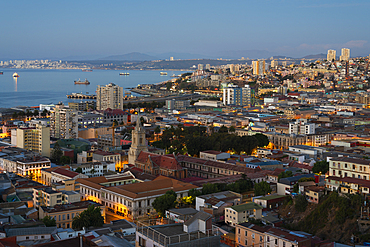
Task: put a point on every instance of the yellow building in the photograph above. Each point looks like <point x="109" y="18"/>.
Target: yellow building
<point x="240" y="213"/>
<point x="64" y="214"/>
<point x="36" y="139"/>
<point x="48" y="197"/>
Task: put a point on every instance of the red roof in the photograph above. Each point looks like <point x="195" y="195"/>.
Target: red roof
<point x="163" y="161"/>
<point x="66" y="173"/>
<point x="110" y="112"/>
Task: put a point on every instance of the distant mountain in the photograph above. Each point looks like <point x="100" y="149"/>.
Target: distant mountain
<point x="282" y="57"/>
<point x="133" y="56"/>
<point x="317" y="56"/>
<point x="252" y="54"/>
<point x="179" y="55"/>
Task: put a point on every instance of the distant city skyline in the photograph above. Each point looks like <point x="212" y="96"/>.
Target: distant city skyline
<point x="93" y="29"/>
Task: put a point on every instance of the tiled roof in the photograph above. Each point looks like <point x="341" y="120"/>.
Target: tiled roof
<point x="30" y="231"/>
<point x="66" y="173"/>
<point x="216" y="164"/>
<point x="158" y="186"/>
<point x="198" y="216"/>
<point x="352" y="160"/>
<point x="163" y="161"/>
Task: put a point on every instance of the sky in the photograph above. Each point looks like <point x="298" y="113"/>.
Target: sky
<point x="94" y="29"/>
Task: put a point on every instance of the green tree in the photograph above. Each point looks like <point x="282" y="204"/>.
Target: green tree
<point x="300" y="203"/>
<point x="90" y="217"/>
<point x="262" y="140"/>
<point x="169" y="85"/>
<point x="320" y="167"/>
<point x="56" y="154"/>
<point x="209" y="189"/>
<point x="165" y="202"/>
<point x="44" y="113"/>
<point x="36" y="112"/>
<point x="49" y="221"/>
<point x="296" y="188"/>
<point x="262" y="188"/>
<point x="232" y="129"/>
<point x="65" y="160"/>
<point x="78" y="169"/>
<point x="223" y="129"/>
<point x="15" y="115"/>
<point x="286" y="174"/>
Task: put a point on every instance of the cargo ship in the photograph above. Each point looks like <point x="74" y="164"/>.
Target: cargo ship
<point x="126" y="73"/>
<point x="15" y="74"/>
<point x="87" y="70"/>
<point x="86" y="82"/>
<point x="163" y="73"/>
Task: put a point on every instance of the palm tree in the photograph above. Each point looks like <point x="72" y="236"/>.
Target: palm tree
<point x="81" y="220"/>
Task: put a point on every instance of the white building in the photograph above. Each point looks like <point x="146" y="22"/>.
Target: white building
<point x="109" y="96"/>
<point x="234" y="95"/>
<point x="63" y="122"/>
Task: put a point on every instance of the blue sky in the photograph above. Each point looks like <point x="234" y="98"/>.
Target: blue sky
<point x="59" y="29"/>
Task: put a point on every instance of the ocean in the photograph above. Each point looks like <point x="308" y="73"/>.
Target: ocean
<point x="36" y="86"/>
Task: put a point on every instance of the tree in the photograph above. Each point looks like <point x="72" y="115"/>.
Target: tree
<point x="169" y="85"/>
<point x="262" y="188"/>
<point x="165" y="202"/>
<point x="31" y="176"/>
<point x="90" y="217"/>
<point x="36" y="112"/>
<point x="79" y="170"/>
<point x="286" y="174"/>
<point x="223" y="129"/>
<point x="320" y="167"/>
<point x="65" y="160"/>
<point x="56" y="154"/>
<point x="44" y="113"/>
<point x="262" y="140"/>
<point x="15" y="115"/>
<point x="300" y="203"/>
<point x="49" y="221"/>
<point x="232" y="129"/>
<point x="157" y="130"/>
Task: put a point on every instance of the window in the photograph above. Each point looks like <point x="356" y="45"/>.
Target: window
<point x="27" y="237"/>
<point x="246" y="242"/>
<point x="67" y="216"/>
<point x="283" y="244"/>
<point x="246" y="233"/>
<point x="64" y="216"/>
<point x="42" y="236"/>
<point x="261" y="239"/>
<point x="253" y="235"/>
<point x="239" y="230"/>
<point x="276" y="241"/>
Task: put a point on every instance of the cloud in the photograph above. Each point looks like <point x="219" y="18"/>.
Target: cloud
<point x="355" y="43"/>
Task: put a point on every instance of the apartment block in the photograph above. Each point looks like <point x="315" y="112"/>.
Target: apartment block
<point x="345" y="54"/>
<point x="259" y="67"/>
<point x="241" y="213"/>
<point x="48" y="197"/>
<point x="234" y="95"/>
<point x="35" y="139"/>
<point x="109" y="96"/>
<point x="331" y="55"/>
<point x="63" y="122"/>
<point x="64" y="213"/>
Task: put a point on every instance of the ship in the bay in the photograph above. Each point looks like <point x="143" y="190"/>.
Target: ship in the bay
<point x="86" y="82"/>
<point x="163" y="73"/>
<point x="87" y="70"/>
<point x="1" y="72"/>
<point x="125" y="73"/>
<point x="15" y="74"/>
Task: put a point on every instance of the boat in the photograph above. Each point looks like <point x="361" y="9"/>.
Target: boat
<point x="15" y="74"/>
<point x="86" y="82"/>
<point x="1" y="72"/>
<point x="125" y="73"/>
<point x="87" y="70"/>
<point x="163" y="73"/>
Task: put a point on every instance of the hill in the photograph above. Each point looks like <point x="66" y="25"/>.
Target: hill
<point x="133" y="56"/>
<point x="335" y="218"/>
<point x="316" y="56"/>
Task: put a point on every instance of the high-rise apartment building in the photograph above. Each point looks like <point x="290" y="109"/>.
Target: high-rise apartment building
<point x="258" y="67"/>
<point x="63" y="122"/>
<point x="234" y="95"/>
<point x="109" y="96"/>
<point x="36" y="139"/>
<point x="345" y="54"/>
<point x="331" y="55"/>
<point x="274" y="64"/>
<point x="200" y="66"/>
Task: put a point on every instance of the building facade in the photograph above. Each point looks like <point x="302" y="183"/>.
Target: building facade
<point x="109" y="96"/>
<point x="331" y="55"/>
<point x="138" y="142"/>
<point x="259" y="67"/>
<point x="35" y="139"/>
<point x="234" y="95"/>
<point x="63" y="122"/>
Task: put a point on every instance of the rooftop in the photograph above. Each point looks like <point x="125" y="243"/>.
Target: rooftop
<point x="71" y="206"/>
<point x="246" y="206"/>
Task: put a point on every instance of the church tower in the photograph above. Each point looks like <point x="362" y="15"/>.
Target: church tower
<point x="138" y="142"/>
